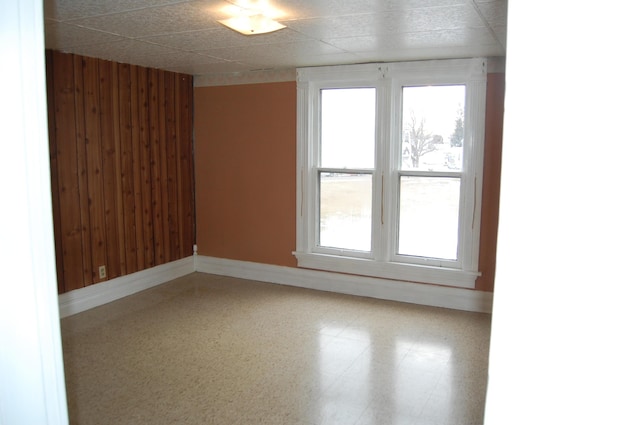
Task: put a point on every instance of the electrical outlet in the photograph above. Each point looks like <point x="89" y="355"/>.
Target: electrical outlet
<point x="102" y="271"/>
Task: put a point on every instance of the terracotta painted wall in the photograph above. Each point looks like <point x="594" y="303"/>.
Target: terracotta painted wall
<point x="245" y="165"/>
<point x="491" y="181"/>
<point x="245" y="162"/>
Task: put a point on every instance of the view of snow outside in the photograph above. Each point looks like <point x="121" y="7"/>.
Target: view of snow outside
<point x="432" y="131"/>
<point x="345" y="211"/>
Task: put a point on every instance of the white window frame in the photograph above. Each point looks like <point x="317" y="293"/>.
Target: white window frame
<point x="389" y="79"/>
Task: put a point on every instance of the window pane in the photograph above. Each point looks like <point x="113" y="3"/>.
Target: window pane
<point x="432" y="127"/>
<point x="429" y="217"/>
<point x="348" y="128"/>
<point x="345" y="211"/>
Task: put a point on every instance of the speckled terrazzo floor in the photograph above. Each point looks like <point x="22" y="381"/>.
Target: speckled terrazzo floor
<point x="207" y="349"/>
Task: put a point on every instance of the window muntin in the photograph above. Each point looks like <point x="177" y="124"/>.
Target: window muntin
<point x="393" y="254"/>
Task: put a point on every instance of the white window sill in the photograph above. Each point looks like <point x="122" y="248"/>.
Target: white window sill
<point x="388" y="270"/>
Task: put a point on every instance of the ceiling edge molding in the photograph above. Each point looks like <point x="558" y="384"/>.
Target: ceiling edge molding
<point x="251" y="77"/>
<point x="496" y="64"/>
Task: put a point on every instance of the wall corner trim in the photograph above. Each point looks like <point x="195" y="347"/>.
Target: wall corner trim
<point x="415" y="293"/>
<point x="101" y="293"/>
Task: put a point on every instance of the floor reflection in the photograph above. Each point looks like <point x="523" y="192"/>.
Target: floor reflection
<point x="343" y="361"/>
<point x="366" y="381"/>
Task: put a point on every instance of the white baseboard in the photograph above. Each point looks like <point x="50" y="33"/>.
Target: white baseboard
<point x="416" y="293"/>
<point x="101" y="293"/>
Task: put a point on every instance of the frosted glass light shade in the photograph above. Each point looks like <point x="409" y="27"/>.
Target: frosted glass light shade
<point x="252" y="24"/>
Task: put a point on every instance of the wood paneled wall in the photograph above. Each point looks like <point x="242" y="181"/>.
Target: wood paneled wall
<point x="121" y="167"/>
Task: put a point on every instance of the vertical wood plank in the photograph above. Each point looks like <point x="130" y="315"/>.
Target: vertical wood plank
<point x="110" y="171"/>
<point x="171" y="163"/>
<point x="189" y="186"/>
<point x="126" y="160"/>
<point x="93" y="145"/>
<point x="185" y="173"/>
<point x="162" y="147"/>
<point x="156" y="175"/>
<point x="179" y="99"/>
<point x="145" y="167"/>
<point x="66" y="154"/>
<point x="81" y="161"/>
<point x="115" y="90"/>
<point x="136" y="169"/>
<point x="53" y="160"/>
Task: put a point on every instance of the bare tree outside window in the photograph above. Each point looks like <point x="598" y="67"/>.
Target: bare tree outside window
<point x="418" y="140"/>
<point x="432" y="142"/>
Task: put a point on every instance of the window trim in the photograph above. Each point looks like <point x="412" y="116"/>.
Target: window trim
<point x="388" y="78"/>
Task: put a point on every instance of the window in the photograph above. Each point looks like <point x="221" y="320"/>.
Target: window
<point x="390" y="169"/>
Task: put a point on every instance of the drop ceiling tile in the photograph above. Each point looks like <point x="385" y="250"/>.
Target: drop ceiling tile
<point x="436" y="52"/>
<point x="295" y="61"/>
<point x="323" y="60"/>
<point x="416" y="40"/>
<point x="61" y="36"/>
<point x="269" y="52"/>
<point x="501" y="32"/>
<point x="339" y="26"/>
<point x="192" y="40"/>
<point x="188" y="16"/>
<point x="305" y="9"/>
<point x="286" y="55"/>
<point x="441" y="18"/>
<point x="495" y="12"/>
<point x="210" y="68"/>
<point x="416" y="4"/>
<point x="128" y="51"/>
<point x="73" y="9"/>
<point x="183" y="59"/>
<point x="415" y="20"/>
<point x="178" y="60"/>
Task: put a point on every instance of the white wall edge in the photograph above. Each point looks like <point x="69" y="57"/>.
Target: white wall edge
<point x="98" y="294"/>
<point x="415" y="293"/>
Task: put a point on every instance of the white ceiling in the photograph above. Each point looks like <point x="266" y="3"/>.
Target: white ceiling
<point x="184" y="36"/>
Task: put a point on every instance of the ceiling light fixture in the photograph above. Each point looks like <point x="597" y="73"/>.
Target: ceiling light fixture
<point x="251" y="17"/>
<point x="252" y="24"/>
